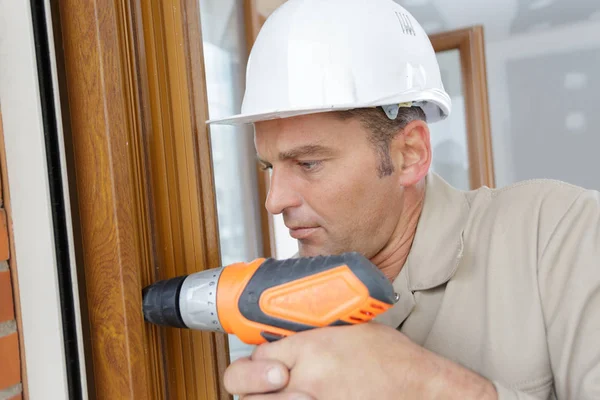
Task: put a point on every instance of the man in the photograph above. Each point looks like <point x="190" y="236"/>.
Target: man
<point x="499" y="289"/>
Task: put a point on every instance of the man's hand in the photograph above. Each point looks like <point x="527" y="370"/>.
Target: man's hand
<point x="367" y="361"/>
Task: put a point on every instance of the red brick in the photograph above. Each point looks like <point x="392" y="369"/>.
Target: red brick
<point x="7" y="307"/>
<point x="10" y="365"/>
<point x="4" y="249"/>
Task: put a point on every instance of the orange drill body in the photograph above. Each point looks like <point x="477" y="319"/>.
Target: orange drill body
<point x="268" y="299"/>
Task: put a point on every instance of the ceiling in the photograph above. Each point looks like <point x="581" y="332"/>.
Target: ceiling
<point x="501" y="18"/>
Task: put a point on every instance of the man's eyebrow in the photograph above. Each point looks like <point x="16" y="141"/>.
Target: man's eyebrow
<point x="301" y="151"/>
<point x="305" y="151"/>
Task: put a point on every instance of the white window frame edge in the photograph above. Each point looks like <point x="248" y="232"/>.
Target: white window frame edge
<point x="28" y="181"/>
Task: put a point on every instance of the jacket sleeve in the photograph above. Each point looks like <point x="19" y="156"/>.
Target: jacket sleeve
<point x="569" y="288"/>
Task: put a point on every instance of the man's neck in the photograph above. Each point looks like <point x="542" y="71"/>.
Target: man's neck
<point x="392" y="257"/>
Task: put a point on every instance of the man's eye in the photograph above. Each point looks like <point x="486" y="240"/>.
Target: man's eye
<point x="309" y="165"/>
<point x="265" y="167"/>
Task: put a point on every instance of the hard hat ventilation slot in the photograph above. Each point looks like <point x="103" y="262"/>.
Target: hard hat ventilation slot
<point x="392" y="110"/>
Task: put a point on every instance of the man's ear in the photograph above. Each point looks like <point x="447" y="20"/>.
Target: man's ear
<point x="411" y="149"/>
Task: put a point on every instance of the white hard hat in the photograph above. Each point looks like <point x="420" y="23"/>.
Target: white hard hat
<point x="326" y="55"/>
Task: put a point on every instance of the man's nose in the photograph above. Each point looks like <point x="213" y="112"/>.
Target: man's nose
<point x="281" y="194"/>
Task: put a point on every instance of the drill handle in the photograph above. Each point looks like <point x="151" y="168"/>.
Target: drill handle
<point x="287" y="296"/>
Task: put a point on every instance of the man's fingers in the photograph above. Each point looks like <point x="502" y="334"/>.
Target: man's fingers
<point x="284" y="350"/>
<point x="246" y="376"/>
<point x="278" y="396"/>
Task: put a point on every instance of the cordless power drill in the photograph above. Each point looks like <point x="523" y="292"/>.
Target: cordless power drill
<point x="267" y="299"/>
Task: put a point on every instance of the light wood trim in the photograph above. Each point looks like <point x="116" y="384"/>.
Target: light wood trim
<point x="218" y="343"/>
<point x="182" y="188"/>
<point x="254" y="21"/>
<point x="470" y="43"/>
<point x="136" y="108"/>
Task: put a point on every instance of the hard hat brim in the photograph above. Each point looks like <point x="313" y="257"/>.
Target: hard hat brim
<point x="435" y="103"/>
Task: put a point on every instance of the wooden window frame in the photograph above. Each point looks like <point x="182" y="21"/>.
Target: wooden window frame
<point x="470" y="44"/>
<point x="253" y="21"/>
<point x="134" y="107"/>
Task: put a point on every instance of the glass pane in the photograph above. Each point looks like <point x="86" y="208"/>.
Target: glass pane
<point x="285" y="245"/>
<point x="449" y="137"/>
<point x="232" y="146"/>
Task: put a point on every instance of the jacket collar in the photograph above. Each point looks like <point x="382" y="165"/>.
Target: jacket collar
<point x="438" y="243"/>
<point x="436" y="250"/>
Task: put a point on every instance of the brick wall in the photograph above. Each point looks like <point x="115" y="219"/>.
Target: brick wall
<point x="10" y="354"/>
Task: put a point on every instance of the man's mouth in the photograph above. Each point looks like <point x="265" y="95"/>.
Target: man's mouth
<point x="302" y="232"/>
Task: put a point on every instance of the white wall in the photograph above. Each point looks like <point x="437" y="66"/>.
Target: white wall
<point x="544" y="95"/>
<point x="543" y="59"/>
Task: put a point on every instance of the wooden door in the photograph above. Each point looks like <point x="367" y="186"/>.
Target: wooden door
<point x="134" y="109"/>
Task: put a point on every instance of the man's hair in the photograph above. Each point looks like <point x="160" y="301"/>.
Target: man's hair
<point x="382" y="130"/>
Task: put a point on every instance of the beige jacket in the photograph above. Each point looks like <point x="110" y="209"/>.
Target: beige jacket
<point x="507" y="283"/>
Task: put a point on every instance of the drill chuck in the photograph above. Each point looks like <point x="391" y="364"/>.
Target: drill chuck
<point x="160" y="302"/>
<point x="184" y="302"/>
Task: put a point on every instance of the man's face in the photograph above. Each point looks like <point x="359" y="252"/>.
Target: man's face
<point x="325" y="183"/>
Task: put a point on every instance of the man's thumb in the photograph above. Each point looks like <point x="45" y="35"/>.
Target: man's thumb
<point x="283" y="350"/>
